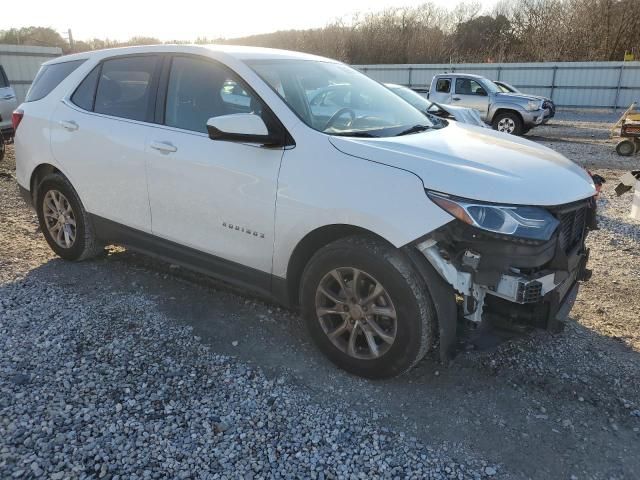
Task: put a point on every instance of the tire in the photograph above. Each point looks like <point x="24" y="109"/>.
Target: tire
<point x="2" y="147"/>
<point x="508" y="122"/>
<point x="405" y="296"/>
<point x="55" y="190"/>
<point x="625" y="148"/>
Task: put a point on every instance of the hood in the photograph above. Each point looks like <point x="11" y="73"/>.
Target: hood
<point x="479" y="164"/>
<point x="464" y="114"/>
<point x="517" y="96"/>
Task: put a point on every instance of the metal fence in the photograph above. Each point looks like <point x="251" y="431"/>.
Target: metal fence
<point x="569" y="84"/>
<point x="21" y="63"/>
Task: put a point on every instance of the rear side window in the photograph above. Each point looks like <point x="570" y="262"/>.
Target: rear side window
<point x="4" y="81"/>
<point x="49" y="77"/>
<point x="125" y="87"/>
<point x="86" y="91"/>
<point x="443" y="85"/>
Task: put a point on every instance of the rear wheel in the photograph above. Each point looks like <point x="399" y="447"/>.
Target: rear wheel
<point x="625" y="148"/>
<point x="508" y="122"/>
<point x="366" y="307"/>
<point x="64" y="222"/>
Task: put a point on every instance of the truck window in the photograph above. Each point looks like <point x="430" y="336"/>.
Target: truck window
<point x="466" y="86"/>
<point x="443" y="85"/>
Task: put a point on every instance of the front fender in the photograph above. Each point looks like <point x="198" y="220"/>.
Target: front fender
<point x="502" y="105"/>
<point x="320" y="186"/>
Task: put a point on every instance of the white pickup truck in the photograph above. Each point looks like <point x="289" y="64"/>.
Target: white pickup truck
<point x="514" y="113"/>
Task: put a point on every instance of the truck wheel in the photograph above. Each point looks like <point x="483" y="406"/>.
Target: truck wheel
<point x="63" y="220"/>
<point x="366" y="307"/>
<point x="2" y="147"/>
<point x="508" y="122"/>
<point x="625" y="148"/>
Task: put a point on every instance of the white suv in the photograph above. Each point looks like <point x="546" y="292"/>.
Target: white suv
<point x="383" y="228"/>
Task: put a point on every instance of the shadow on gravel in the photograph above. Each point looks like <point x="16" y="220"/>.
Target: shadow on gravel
<point x="545" y="406"/>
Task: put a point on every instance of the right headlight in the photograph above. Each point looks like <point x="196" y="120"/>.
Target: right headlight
<point x="533" y="105"/>
<point x="533" y="223"/>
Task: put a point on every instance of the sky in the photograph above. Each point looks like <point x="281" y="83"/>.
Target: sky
<point x="188" y="19"/>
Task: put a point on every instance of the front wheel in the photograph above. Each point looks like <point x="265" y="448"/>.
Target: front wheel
<point x="508" y="122"/>
<point x="64" y="222"/>
<point x="367" y="308"/>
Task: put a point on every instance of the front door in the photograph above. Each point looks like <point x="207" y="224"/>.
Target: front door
<point x="469" y="93"/>
<point x="217" y="197"/>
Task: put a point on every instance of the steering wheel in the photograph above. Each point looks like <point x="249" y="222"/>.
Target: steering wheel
<point x="338" y="114"/>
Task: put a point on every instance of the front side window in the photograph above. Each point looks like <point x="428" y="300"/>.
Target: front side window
<point x="466" y="86"/>
<point x="199" y="90"/>
<point x="338" y="100"/>
<point x="49" y="77"/>
<point x="125" y="87"/>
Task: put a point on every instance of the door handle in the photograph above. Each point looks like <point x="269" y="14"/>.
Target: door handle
<point x="456" y="98"/>
<point x="69" y="125"/>
<point x="8" y="97"/>
<point x="164" y="147"/>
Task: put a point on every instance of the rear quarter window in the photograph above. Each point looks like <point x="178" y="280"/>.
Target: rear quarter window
<point x="49" y="77"/>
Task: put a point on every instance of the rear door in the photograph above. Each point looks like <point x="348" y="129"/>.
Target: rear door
<point x="441" y="91"/>
<point x="8" y="102"/>
<point x="214" y="196"/>
<point x="98" y="135"/>
<point x="469" y="93"/>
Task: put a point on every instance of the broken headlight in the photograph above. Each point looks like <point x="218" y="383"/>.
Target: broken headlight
<point x="533" y="223"/>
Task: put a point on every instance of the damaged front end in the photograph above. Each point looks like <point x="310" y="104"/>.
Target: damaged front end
<point x="513" y="281"/>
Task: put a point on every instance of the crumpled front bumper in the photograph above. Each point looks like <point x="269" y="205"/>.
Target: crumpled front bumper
<point x="510" y="283"/>
<point x="536" y="117"/>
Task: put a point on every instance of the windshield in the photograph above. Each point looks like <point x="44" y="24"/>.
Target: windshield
<point x="508" y="88"/>
<point x="338" y="100"/>
<point x="490" y="87"/>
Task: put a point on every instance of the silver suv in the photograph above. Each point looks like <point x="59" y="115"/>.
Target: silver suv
<point x="8" y="104"/>
<point x="514" y="113"/>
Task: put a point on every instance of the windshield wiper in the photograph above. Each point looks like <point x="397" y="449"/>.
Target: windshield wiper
<point x="414" y="129"/>
<point x="354" y="134"/>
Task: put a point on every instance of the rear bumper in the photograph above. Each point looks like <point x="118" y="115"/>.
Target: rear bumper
<point x="7" y="132"/>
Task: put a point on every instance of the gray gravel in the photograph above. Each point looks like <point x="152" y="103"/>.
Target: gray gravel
<point x="110" y="388"/>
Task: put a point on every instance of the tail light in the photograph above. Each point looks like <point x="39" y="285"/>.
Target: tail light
<point x="16" y="118"/>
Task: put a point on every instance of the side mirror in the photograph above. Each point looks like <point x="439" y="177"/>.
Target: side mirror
<point x="242" y="128"/>
<point x="482" y="93"/>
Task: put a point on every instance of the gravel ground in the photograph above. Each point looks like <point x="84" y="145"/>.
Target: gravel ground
<point x="124" y="367"/>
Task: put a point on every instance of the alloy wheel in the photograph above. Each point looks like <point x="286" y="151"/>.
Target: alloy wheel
<point x="506" y="125"/>
<point x="356" y="313"/>
<point x="59" y="218"/>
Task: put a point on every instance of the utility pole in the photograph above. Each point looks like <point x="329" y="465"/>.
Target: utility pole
<point x="70" y="40"/>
